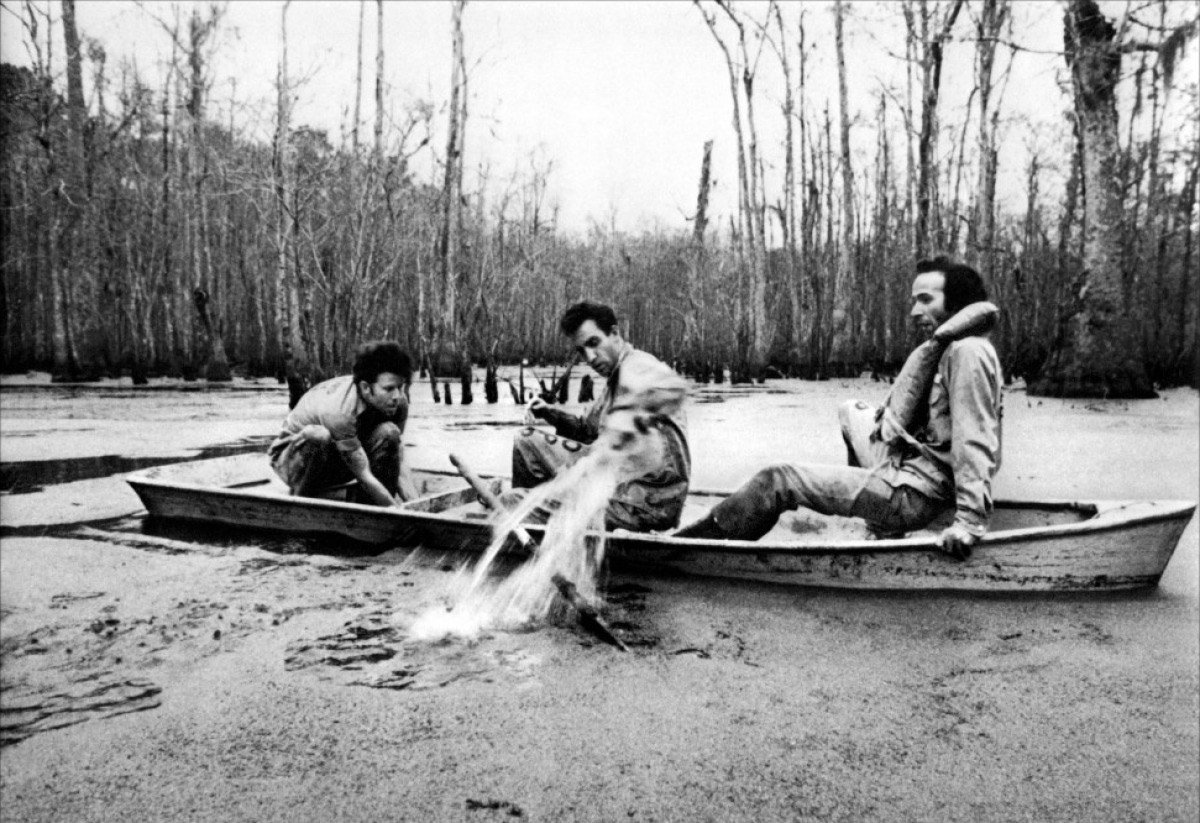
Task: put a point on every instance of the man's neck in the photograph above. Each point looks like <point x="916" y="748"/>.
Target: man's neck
<point x="626" y="348"/>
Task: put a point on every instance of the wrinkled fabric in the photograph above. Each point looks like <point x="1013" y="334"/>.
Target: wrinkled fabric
<point x="336" y="405"/>
<point x="955" y="454"/>
<point x="330" y="422"/>
<point x="848" y="491"/>
<point x="642" y="392"/>
<point x="906" y="401"/>
<point x="653" y="501"/>
<point x="310" y="462"/>
<point x="947" y="463"/>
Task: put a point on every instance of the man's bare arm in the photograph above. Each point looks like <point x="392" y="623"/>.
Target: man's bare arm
<point x="360" y="467"/>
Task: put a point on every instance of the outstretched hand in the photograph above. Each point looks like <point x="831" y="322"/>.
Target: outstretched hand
<point x="956" y="541"/>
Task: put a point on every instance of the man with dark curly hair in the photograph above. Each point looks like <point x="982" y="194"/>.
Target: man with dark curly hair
<point x="349" y="428"/>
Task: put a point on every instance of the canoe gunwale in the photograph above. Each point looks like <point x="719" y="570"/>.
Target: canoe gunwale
<point x="1057" y="556"/>
<point x="1105" y="520"/>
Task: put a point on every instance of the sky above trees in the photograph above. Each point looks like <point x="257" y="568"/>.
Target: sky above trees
<point x="615" y="98"/>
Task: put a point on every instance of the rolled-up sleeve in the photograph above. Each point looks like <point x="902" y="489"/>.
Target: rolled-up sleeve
<point x="572" y="426"/>
<point x="972" y="375"/>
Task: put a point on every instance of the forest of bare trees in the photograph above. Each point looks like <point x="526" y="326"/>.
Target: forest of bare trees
<point x="144" y="236"/>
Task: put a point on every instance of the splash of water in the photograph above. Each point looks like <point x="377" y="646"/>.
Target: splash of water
<point x="572" y="545"/>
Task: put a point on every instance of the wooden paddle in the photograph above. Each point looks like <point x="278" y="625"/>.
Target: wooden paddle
<point x="489" y="499"/>
<point x="589" y="617"/>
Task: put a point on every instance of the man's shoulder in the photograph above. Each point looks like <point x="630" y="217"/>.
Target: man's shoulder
<point x="975" y="347"/>
<point x="334" y="384"/>
<point x="641" y="359"/>
<point x="971" y="356"/>
<point x="328" y="395"/>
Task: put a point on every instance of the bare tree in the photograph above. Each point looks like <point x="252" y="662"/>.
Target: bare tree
<point x="448" y="340"/>
<point x="982" y="234"/>
<point x="378" y="79"/>
<point x="287" y="298"/>
<point x="754" y="330"/>
<point x="72" y="193"/>
<point x="358" y="75"/>
<point x="693" y="335"/>
<point x="933" y="46"/>
<point x="840" y="355"/>
<point x="1099" y="354"/>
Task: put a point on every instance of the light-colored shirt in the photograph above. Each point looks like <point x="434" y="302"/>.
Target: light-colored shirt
<point x="641" y="383"/>
<point x="958" y="449"/>
<point x="336" y="405"/>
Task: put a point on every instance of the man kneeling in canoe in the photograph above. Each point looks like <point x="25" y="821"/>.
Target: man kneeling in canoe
<point x="934" y="446"/>
<point x="349" y="428"/>
<point x="641" y="400"/>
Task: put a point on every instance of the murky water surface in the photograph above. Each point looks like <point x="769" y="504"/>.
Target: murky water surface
<point x="28" y="476"/>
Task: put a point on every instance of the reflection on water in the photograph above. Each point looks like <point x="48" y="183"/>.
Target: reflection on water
<point x="27" y="476"/>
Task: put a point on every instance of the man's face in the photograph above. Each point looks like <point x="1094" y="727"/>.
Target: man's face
<point x="598" y="349"/>
<point x="928" y="302"/>
<point x="384" y="395"/>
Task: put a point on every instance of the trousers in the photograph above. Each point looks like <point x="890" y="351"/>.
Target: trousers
<point x="651" y="502"/>
<point x="309" y="462"/>
<point x="855" y="490"/>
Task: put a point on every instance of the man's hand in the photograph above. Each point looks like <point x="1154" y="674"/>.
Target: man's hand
<point x="956" y="541"/>
<point x="533" y="411"/>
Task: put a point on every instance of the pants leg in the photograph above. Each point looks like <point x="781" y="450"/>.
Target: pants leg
<point x="307" y="461"/>
<point x="538" y="456"/>
<point x="637" y="508"/>
<point x="643" y="504"/>
<point x="754" y="509"/>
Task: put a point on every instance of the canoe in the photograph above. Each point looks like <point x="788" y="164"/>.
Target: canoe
<point x="1100" y="545"/>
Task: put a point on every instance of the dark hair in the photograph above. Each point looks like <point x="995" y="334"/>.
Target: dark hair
<point x="377" y="356"/>
<point x="963" y="285"/>
<point x="575" y="316"/>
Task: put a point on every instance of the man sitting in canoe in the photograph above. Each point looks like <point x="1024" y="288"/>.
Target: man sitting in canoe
<point x="935" y="444"/>
<point x="349" y="428"/>
<point x="642" y="398"/>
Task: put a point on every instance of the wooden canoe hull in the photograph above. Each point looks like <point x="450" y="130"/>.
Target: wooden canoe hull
<point x="1099" y="546"/>
<point x="1119" y="555"/>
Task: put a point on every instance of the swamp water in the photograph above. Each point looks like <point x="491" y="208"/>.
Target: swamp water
<point x="577" y="497"/>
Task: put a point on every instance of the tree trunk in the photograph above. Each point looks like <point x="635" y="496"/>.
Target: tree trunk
<point x="287" y="300"/>
<point x="71" y="239"/>
<point x="379" y="79"/>
<point x="216" y="367"/>
<point x="358" y="74"/>
<point x="449" y="345"/>
<point x="693" y="338"/>
<point x="1099" y="353"/>
<point x="927" y="229"/>
<point x="840" y="354"/>
<point x="983" y="227"/>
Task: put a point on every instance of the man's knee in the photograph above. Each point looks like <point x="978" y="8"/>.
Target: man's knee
<point x="772" y="478"/>
<point x="315" y="435"/>
<point x="387" y="434"/>
<point x="850" y="412"/>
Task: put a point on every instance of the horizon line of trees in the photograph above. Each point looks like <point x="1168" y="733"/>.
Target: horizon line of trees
<point x="142" y="235"/>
